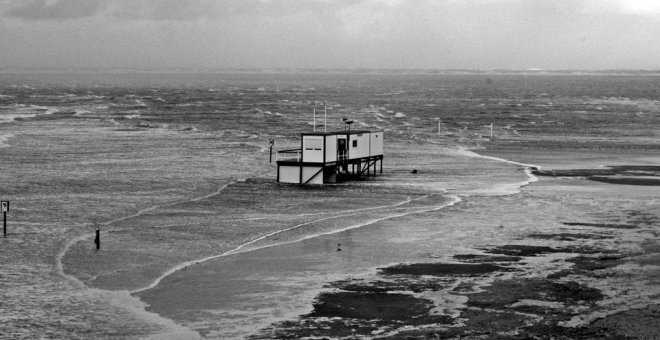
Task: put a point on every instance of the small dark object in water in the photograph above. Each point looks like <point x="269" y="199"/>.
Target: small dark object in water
<point x="97" y="239"/>
<point x="414" y="171"/>
<point x="338" y="246"/>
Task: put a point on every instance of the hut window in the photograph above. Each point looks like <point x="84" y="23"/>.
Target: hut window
<point x="313" y="144"/>
<point x="355" y="144"/>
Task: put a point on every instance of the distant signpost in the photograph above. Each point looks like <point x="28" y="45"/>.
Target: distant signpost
<point x="5" y="208"/>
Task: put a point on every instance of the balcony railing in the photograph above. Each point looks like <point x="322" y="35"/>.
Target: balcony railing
<point x="295" y="155"/>
<point x="291" y="155"/>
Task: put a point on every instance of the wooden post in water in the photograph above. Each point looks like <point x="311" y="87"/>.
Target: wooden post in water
<point x="5" y="208"/>
<point x="271" y="142"/>
<point x="97" y="239"/>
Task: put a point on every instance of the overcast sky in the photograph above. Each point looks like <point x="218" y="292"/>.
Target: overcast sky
<point x="439" y="34"/>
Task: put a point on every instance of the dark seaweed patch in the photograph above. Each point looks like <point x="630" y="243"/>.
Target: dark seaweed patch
<point x="575" y="172"/>
<point x="442" y="269"/>
<point x="639" y="323"/>
<point x="489" y="322"/>
<point x="568" y="236"/>
<point x="630" y="168"/>
<point x="523" y="250"/>
<point x="476" y="258"/>
<point x="342" y="314"/>
<point x="504" y="293"/>
<point x="622" y="174"/>
<point x="626" y="180"/>
<point x="550" y="331"/>
<point x="595" y="263"/>
<point x="370" y="306"/>
<point x="316" y="328"/>
<point x="601" y="225"/>
<point x="381" y="286"/>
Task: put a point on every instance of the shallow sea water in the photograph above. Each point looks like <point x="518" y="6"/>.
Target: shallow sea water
<point x="174" y="170"/>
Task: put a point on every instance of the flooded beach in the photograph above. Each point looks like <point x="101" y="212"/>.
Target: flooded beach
<point x="533" y="232"/>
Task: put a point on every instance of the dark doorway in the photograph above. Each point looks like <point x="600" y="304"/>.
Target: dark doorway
<point x="341" y="149"/>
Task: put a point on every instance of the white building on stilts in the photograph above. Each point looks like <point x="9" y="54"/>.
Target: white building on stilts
<point x="328" y="157"/>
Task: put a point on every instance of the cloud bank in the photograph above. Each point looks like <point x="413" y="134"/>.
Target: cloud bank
<point x="483" y="34"/>
<point x="54" y="10"/>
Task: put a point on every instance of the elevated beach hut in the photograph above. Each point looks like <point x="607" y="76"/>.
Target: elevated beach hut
<point x="326" y="157"/>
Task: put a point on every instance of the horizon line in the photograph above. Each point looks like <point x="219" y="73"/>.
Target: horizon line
<point x="356" y="70"/>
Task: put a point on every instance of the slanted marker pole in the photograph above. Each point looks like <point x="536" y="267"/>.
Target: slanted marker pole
<point x="271" y="142"/>
<point x="491" y="131"/>
<point x="314" y="119"/>
<point x="325" y="118"/>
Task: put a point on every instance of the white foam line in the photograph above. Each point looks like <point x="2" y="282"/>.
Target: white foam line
<point x="456" y="199"/>
<point x="140" y="212"/>
<point x="352" y="213"/>
<point x="59" y="267"/>
<point x="527" y="167"/>
<point x="261" y="238"/>
<point x="304" y="215"/>
<point x="469" y="153"/>
<point x="186" y="225"/>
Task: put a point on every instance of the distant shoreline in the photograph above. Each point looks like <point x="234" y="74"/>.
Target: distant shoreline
<point x="481" y="72"/>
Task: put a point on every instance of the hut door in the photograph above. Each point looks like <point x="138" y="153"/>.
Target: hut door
<point x="341" y="149"/>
